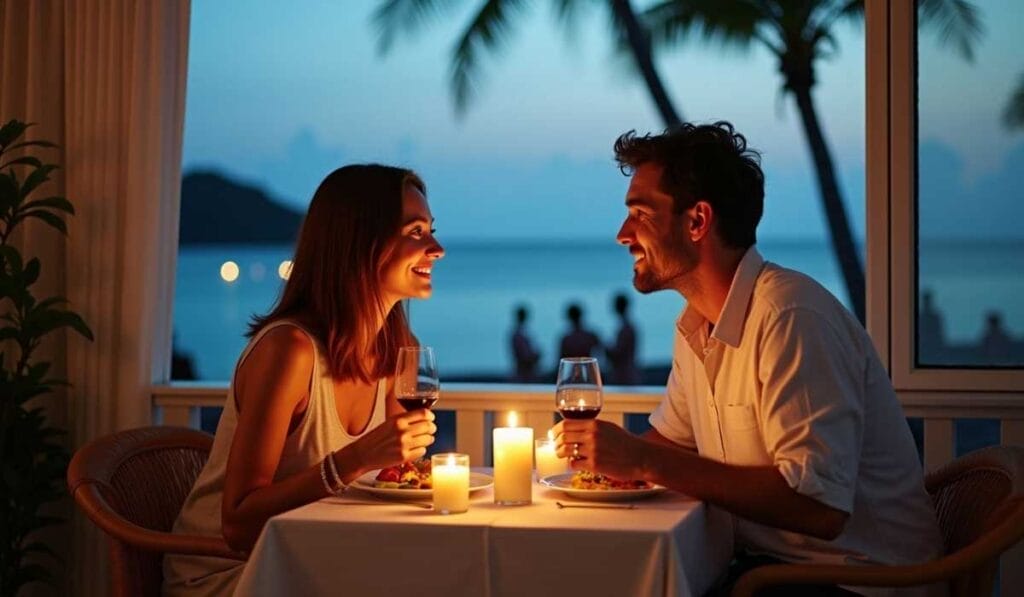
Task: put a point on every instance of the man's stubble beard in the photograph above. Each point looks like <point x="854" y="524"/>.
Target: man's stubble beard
<point x="652" y="281"/>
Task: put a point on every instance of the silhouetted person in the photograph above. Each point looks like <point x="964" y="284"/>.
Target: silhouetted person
<point x="579" y="341"/>
<point x="622" y="353"/>
<point x="931" y="336"/>
<point x="995" y="343"/>
<point x="182" y="366"/>
<point x="525" y="355"/>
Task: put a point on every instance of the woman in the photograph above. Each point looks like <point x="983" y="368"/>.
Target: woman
<point x="312" y="404"/>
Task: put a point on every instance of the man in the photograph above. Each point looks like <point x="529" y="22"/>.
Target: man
<point x="578" y="341"/>
<point x="778" y="409"/>
<point x="622" y="352"/>
<point x="524" y="354"/>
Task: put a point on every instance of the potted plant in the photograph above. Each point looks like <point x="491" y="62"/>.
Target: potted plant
<point x="33" y="455"/>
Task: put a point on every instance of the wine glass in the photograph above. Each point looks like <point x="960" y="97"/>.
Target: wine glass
<point x="578" y="392"/>
<point x="416" y="381"/>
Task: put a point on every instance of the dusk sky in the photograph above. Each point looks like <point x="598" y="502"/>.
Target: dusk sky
<point x="279" y="97"/>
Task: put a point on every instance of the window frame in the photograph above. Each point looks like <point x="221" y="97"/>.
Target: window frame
<point x="891" y="202"/>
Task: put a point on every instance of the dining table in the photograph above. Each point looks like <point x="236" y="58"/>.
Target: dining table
<point x="357" y="544"/>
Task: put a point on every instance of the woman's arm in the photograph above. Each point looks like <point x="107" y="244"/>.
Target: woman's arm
<point x="271" y="385"/>
<point x="272" y="388"/>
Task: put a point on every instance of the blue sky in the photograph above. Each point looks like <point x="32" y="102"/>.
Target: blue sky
<point x="280" y="96"/>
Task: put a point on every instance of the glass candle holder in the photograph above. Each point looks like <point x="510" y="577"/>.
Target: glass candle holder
<point x="548" y="463"/>
<point x="450" y="474"/>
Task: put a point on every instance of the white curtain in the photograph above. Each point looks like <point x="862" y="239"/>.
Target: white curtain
<point x="106" y="80"/>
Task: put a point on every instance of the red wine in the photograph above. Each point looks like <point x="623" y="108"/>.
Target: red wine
<point x="417" y="401"/>
<point x="580" y="412"/>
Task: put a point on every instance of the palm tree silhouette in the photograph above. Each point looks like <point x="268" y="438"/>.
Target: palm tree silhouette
<point x="796" y="32"/>
<point x="1013" y="115"/>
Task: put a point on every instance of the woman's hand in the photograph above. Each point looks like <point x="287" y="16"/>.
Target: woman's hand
<point x="398" y="439"/>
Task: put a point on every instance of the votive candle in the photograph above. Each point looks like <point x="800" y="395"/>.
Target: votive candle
<point x="513" y="463"/>
<point x="450" y="473"/>
<point x="548" y="462"/>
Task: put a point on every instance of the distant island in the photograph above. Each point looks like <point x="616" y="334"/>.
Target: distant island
<point x="218" y="210"/>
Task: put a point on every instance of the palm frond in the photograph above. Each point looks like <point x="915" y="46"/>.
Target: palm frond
<point x="487" y="31"/>
<point x="1013" y="114"/>
<point x="394" y="17"/>
<point x="957" y="22"/>
<point x="567" y="15"/>
<point x="729" y="23"/>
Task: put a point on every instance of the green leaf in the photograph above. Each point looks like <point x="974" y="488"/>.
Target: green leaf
<point x="37" y="371"/>
<point x="51" y="202"/>
<point x="44" y="321"/>
<point x="36" y="178"/>
<point x="8" y="192"/>
<point x="50" y="218"/>
<point x="10" y="255"/>
<point x="51" y="301"/>
<point x="25" y="160"/>
<point x="11" y="131"/>
<point x="39" y="547"/>
<point x="31" y="273"/>
<point x="32" y="144"/>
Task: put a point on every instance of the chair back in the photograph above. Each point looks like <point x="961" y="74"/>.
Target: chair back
<point x="976" y="497"/>
<point x="132" y="484"/>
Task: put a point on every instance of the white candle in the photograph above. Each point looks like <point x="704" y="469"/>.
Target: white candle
<point x="548" y="463"/>
<point x="513" y="463"/>
<point x="450" y="473"/>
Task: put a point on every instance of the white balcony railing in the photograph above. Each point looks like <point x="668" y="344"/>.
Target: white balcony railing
<point x="179" y="404"/>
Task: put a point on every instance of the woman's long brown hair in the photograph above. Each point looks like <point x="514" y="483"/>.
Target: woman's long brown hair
<point x="334" y="284"/>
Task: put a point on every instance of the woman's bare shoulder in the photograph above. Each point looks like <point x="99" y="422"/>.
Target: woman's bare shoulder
<point x="285" y="352"/>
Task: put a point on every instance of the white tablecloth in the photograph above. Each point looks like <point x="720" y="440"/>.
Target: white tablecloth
<point x="668" y="545"/>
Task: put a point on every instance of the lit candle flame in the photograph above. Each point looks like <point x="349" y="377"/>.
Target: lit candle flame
<point x="451" y="460"/>
<point x="580" y="403"/>
<point x="513" y="420"/>
<point x="551" y="434"/>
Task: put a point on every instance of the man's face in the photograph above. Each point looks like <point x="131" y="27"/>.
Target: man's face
<point x="654" y="234"/>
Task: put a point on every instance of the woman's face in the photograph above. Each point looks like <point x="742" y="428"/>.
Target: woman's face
<point x="406" y="271"/>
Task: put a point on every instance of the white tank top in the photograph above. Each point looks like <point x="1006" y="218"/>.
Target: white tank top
<point x="318" y="433"/>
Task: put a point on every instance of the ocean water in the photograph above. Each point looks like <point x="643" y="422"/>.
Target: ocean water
<point x="476" y="288"/>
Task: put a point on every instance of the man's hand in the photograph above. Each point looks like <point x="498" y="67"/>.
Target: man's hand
<point x="601" y="447"/>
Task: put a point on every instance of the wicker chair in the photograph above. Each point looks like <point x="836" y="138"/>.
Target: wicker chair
<point x="979" y="499"/>
<point x="132" y="484"/>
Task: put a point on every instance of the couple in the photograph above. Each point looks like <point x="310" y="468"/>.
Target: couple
<point x="777" y="409"/>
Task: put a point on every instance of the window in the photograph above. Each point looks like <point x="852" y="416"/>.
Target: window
<point x="523" y="186"/>
<point x="970" y="165"/>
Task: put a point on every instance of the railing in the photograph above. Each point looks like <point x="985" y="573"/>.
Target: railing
<point x="179" y="405"/>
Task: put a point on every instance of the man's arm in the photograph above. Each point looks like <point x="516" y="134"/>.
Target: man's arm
<point x="757" y="493"/>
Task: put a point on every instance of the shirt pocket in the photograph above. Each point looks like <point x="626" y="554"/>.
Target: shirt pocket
<point x="739" y="417"/>
<point x="741" y="435"/>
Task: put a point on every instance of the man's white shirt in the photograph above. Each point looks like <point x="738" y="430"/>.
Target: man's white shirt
<point x="789" y="378"/>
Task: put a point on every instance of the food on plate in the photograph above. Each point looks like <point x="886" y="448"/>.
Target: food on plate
<point x="408" y="475"/>
<point x="589" y="480"/>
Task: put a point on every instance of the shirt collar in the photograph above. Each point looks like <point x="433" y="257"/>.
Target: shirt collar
<point x="734" y="312"/>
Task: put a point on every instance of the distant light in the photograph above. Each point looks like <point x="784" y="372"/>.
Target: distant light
<point x="285" y="269"/>
<point x="229" y="271"/>
<point x="257" y="271"/>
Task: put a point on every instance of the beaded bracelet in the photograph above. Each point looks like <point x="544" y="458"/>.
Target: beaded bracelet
<point x="336" y="483"/>
<point x="323" y="476"/>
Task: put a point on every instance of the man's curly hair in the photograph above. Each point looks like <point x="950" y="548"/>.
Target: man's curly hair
<point x="707" y="162"/>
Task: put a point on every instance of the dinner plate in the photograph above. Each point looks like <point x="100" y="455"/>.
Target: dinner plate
<point x="563" y="483"/>
<point x="477" y="481"/>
